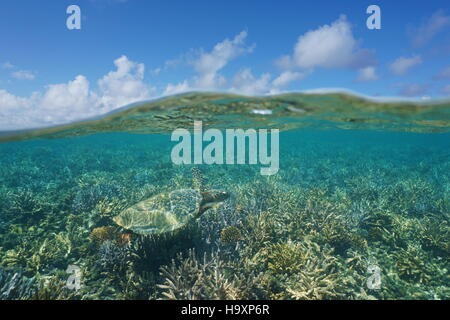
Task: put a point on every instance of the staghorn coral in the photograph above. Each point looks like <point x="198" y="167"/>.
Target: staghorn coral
<point x="51" y="252"/>
<point x="27" y="206"/>
<point x="367" y="202"/>
<point x="230" y="235"/>
<point x="193" y="279"/>
<point x="52" y="289"/>
<point x="149" y="253"/>
<point x="411" y="264"/>
<point x="435" y="235"/>
<point x="306" y="270"/>
<point x="15" y="286"/>
<point x="105" y="233"/>
<point x="107" y="208"/>
<point x="88" y="198"/>
<point x="15" y="257"/>
<point x="112" y="257"/>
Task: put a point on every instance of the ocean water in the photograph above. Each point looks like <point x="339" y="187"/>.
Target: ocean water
<point x="359" y="209"/>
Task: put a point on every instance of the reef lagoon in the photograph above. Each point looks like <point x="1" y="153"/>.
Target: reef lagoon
<point x="359" y="208"/>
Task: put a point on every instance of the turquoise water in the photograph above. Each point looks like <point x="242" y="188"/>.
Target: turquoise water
<point x="343" y="204"/>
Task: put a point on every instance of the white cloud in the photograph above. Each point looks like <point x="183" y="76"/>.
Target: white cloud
<point x="208" y="64"/>
<point x="9" y="101"/>
<point x="156" y="71"/>
<point x="329" y="46"/>
<point x="18" y="74"/>
<point x="413" y="90"/>
<point x="177" y="88"/>
<point x="435" y="24"/>
<point x="65" y="95"/>
<point x="446" y="90"/>
<point x="23" y="75"/>
<point x="123" y="86"/>
<point x="367" y="74"/>
<point x="285" y="62"/>
<point x="75" y="100"/>
<point x="443" y="74"/>
<point x="8" y="65"/>
<point x="246" y="83"/>
<point x="17" y="112"/>
<point x="286" y="77"/>
<point x="209" y="81"/>
<point x="402" y="65"/>
<point x="221" y="54"/>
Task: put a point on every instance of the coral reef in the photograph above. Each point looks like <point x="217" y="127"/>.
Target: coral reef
<point x="230" y="234"/>
<point x="88" y="198"/>
<point x="112" y="257"/>
<point x="338" y="207"/>
<point x="15" y="286"/>
<point x="208" y="278"/>
<point x="106" y="233"/>
<point x="305" y="271"/>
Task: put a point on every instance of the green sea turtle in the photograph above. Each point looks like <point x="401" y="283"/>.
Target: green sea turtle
<point x="168" y="211"/>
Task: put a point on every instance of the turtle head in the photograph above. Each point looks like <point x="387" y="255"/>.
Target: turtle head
<point x="215" y="196"/>
<point x="212" y="198"/>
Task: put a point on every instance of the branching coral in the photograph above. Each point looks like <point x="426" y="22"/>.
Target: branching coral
<point x="105" y="233"/>
<point x="15" y="286"/>
<point x="51" y="252"/>
<point x="87" y="198"/>
<point x="305" y="270"/>
<point x="194" y="279"/>
<point x="27" y="206"/>
<point x="412" y="264"/>
<point x="52" y="289"/>
<point x="230" y="235"/>
<point x="435" y="235"/>
<point x="112" y="257"/>
<point x="309" y="232"/>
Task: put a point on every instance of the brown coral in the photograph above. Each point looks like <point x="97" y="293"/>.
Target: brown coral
<point x="105" y="233"/>
<point x="230" y="235"/>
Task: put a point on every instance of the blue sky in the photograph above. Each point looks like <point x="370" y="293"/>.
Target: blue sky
<point x="130" y="50"/>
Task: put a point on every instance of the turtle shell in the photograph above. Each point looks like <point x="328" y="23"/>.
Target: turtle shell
<point x="161" y="213"/>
